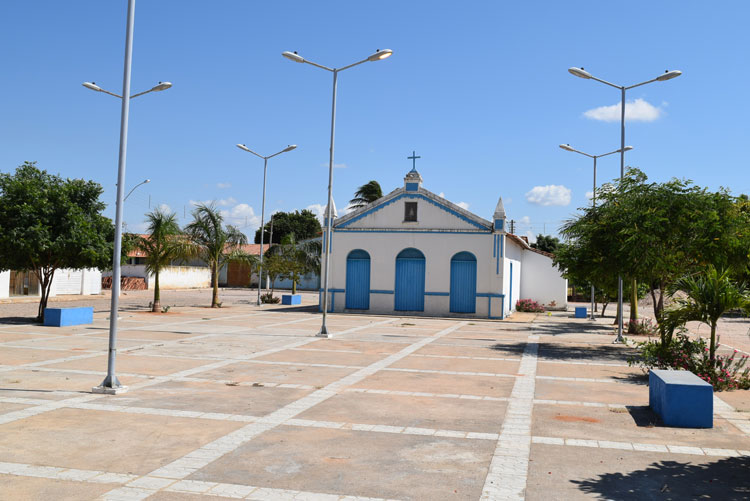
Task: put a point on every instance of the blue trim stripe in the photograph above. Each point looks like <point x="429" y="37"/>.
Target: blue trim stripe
<point x="412" y="196"/>
<point x="377" y="291"/>
<point x="494" y="245"/>
<point x="333" y="290"/>
<point x="396" y="230"/>
<point x="489" y="294"/>
<point x="502" y="245"/>
<point x="437" y="294"/>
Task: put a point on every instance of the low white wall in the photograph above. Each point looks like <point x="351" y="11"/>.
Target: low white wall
<point x="542" y="282"/>
<point x="182" y="277"/>
<point x="4" y="284"/>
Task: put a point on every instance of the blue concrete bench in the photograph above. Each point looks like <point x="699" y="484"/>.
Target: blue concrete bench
<point x="580" y="312"/>
<point x="291" y="299"/>
<point x="60" y="317"/>
<point x="681" y="399"/>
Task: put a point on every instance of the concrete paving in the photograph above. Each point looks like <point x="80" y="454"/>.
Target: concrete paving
<point x="246" y="403"/>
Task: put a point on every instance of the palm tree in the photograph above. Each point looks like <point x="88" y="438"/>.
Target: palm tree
<point x="215" y="243"/>
<point x="710" y="294"/>
<point x="296" y="258"/>
<point x="163" y="244"/>
<point x="366" y="194"/>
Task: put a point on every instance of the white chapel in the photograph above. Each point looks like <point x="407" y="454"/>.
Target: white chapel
<point x="414" y="252"/>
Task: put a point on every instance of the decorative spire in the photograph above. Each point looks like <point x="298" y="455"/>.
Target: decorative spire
<point x="325" y="214"/>
<point x="499" y="215"/>
<point x="413" y="180"/>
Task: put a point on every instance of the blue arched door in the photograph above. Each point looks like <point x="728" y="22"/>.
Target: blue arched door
<point x="410" y="266"/>
<point x="463" y="283"/>
<point x="358" y="280"/>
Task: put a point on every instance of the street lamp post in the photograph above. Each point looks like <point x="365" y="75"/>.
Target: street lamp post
<point x="567" y="147"/>
<point x="581" y="73"/>
<point x="263" y="206"/>
<point x="111" y="384"/>
<point x="145" y="181"/>
<point x="293" y="56"/>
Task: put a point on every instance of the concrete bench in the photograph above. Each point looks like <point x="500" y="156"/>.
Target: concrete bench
<point x="681" y="399"/>
<point x="60" y="317"/>
<point x="291" y="299"/>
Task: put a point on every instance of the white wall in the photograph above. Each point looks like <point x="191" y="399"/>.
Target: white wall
<point x="438" y="249"/>
<point x="182" y="277"/>
<point x="171" y="277"/>
<point x="542" y="282"/>
<point x="4" y="284"/>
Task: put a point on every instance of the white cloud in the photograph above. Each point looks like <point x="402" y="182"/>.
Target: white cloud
<point x="223" y="186"/>
<point x="164" y="208"/>
<point x="241" y="215"/>
<point x="335" y="165"/>
<point x="551" y="194"/>
<point x="638" y="110"/>
<point x="525" y="220"/>
<point x="318" y="210"/>
<point x="530" y="235"/>
<point x="224" y="202"/>
<point x="589" y="195"/>
<point x="463" y="205"/>
<point x="441" y="194"/>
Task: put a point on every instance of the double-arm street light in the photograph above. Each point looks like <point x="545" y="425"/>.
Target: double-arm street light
<point x="667" y="75"/>
<point x="293" y="56"/>
<point x="567" y="147"/>
<point x="111" y="384"/>
<point x="145" y="181"/>
<point x="263" y="205"/>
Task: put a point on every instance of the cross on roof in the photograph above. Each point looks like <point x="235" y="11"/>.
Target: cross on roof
<point x="413" y="158"/>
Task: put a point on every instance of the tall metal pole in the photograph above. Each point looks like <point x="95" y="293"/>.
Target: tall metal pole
<point x="329" y="212"/>
<point x="619" y="338"/>
<point x="593" y="205"/>
<point x="262" y="230"/>
<point x="111" y="384"/>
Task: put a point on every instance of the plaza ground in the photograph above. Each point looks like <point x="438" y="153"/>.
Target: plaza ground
<point x="245" y="402"/>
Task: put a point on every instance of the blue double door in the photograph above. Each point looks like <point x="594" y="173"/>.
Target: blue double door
<point x="358" y="280"/>
<point x="410" y="269"/>
<point x="463" y="283"/>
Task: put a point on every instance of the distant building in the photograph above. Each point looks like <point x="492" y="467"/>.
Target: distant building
<point x="415" y="252"/>
<point x="65" y="281"/>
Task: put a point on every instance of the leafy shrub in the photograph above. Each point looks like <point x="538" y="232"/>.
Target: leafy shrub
<point x="269" y="298"/>
<point x="529" y="305"/>
<point x="726" y="373"/>
<point x="644" y="327"/>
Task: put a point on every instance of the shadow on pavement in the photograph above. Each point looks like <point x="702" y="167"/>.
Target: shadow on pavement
<point x="18" y="321"/>
<point x="725" y="479"/>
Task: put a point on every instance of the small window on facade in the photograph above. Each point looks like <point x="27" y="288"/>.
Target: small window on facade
<point x="410" y="211"/>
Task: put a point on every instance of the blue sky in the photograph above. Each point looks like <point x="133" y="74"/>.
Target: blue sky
<point x="479" y="89"/>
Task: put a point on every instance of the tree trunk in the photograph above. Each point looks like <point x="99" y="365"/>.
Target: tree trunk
<point x="657" y="313"/>
<point x="604" y="307"/>
<point x="617" y="316"/>
<point x="45" y="284"/>
<point x="712" y="348"/>
<point x="633" y="307"/>
<point x="215" y="281"/>
<point x="294" y="284"/>
<point x="157" y="297"/>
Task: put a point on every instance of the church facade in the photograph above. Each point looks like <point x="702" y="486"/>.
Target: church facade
<point x="414" y="252"/>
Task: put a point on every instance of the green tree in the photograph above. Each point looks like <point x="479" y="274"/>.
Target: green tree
<point x="48" y="223"/>
<point x="215" y="243"/>
<point x="164" y="243"/>
<point x="304" y="224"/>
<point x="546" y="243"/>
<point x="366" y="194"/>
<point x="656" y="233"/>
<point x="709" y="295"/>
<point x="297" y="258"/>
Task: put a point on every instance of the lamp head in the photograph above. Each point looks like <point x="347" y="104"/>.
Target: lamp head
<point x="289" y="148"/>
<point x="92" y="86"/>
<point x="293" y="56"/>
<point x="669" y="75"/>
<point x="566" y="147"/>
<point x="146" y="181"/>
<point x="380" y="54"/>
<point x="627" y="148"/>
<point x="579" y="72"/>
<point x="162" y="86"/>
<point x="243" y="147"/>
